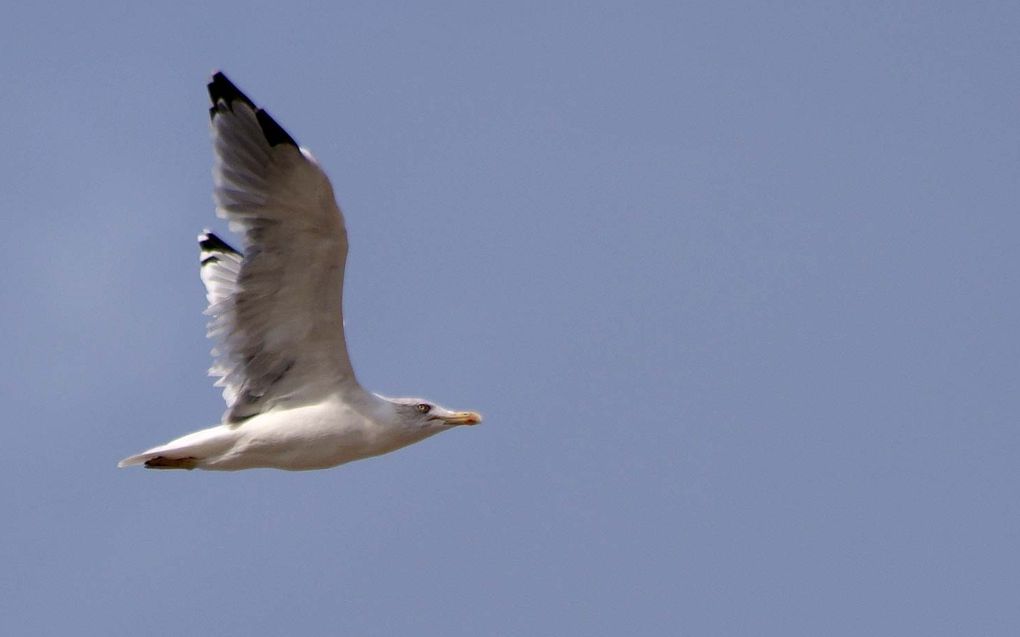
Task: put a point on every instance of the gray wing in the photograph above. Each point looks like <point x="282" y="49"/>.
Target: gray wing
<point x="276" y="309"/>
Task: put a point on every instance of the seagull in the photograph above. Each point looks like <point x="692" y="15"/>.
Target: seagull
<point x="293" y="401"/>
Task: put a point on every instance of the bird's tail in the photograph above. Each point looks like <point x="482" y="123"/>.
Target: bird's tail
<point x="186" y="452"/>
<point x="138" y="458"/>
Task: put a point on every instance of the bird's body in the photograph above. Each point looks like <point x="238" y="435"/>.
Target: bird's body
<point x="293" y="401"/>
<point x="331" y="432"/>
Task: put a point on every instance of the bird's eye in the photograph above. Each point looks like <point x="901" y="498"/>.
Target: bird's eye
<point x="423" y="408"/>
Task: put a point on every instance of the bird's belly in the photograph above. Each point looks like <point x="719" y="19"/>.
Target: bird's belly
<point x="303" y="439"/>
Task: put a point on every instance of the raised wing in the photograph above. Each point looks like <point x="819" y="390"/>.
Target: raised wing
<point x="276" y="309"/>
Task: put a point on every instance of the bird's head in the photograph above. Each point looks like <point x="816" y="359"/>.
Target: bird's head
<point x="427" y="415"/>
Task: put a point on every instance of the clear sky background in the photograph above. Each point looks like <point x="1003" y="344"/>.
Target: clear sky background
<point x="734" y="285"/>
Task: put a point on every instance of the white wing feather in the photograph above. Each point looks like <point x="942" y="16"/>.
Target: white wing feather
<point x="276" y="310"/>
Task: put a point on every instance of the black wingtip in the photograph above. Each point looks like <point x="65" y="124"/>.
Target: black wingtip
<point x="274" y="133"/>
<point x="220" y="88"/>
<point x="223" y="90"/>
<point x="211" y="243"/>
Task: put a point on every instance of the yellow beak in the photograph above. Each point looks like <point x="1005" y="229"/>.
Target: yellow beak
<point x="463" y="418"/>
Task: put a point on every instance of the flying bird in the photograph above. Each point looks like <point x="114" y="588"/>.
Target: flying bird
<point x="293" y="401"/>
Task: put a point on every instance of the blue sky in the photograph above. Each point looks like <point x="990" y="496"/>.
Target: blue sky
<point x="734" y="285"/>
